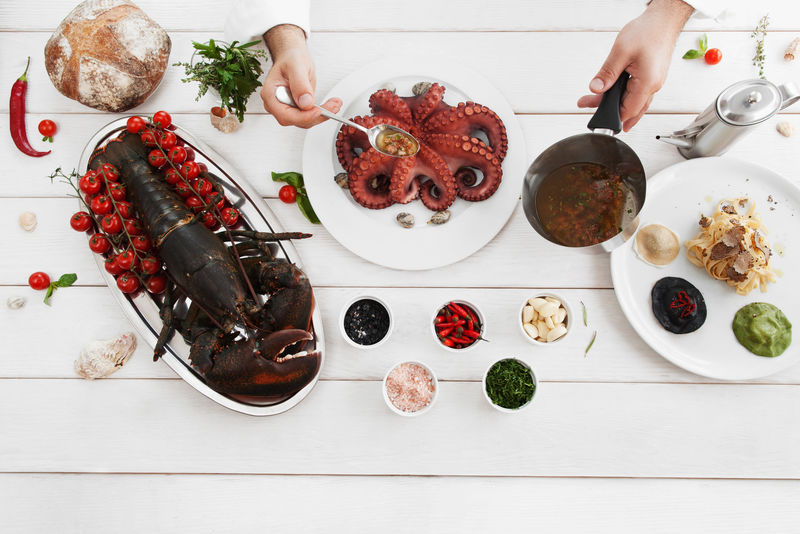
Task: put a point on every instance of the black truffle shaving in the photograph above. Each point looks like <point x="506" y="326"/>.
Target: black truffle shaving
<point x="678" y="306"/>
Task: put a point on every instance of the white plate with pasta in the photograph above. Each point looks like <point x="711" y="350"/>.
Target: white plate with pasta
<point x="677" y="198"/>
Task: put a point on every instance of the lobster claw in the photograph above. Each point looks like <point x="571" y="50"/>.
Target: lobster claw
<point x="261" y="367"/>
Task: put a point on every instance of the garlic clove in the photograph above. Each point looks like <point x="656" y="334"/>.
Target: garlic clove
<point x="527" y="314"/>
<point x="556" y="333"/>
<point x="531" y="330"/>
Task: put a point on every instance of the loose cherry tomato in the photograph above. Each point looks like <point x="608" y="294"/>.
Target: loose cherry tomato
<point x="127" y="282"/>
<point x="141" y="243"/>
<point x="112" y="267"/>
<point x="230" y="216"/>
<point x="216" y="198"/>
<point x="190" y="170"/>
<point x="111" y="224"/>
<point x="194" y="202"/>
<point x="156" y="158"/>
<point x="203" y="167"/>
<point x="48" y="129"/>
<point x="148" y="138"/>
<point x="116" y="191"/>
<point x="101" y="204"/>
<point x="124" y="209"/>
<point x="177" y="155"/>
<point x="133" y="227"/>
<point x="109" y="172"/>
<point x="150" y="265"/>
<point x="99" y="243"/>
<point x="209" y="220"/>
<point x="157" y="284"/>
<point x="713" y="56"/>
<point x="202" y="186"/>
<point x="90" y="183"/>
<point x="288" y="194"/>
<point x="127" y="260"/>
<point x="135" y="124"/>
<point x="183" y="189"/>
<point x="189" y="153"/>
<point x="39" y="281"/>
<point x="80" y="221"/>
<point x="168" y="140"/>
<point x="162" y="119"/>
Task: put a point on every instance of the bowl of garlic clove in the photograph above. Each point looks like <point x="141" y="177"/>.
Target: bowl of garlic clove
<point x="545" y="319"/>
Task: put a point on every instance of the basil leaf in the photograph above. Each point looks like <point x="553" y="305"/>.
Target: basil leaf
<point x="291" y="178"/>
<point x="305" y="207"/>
<point x="704" y="43"/>
<point x="66" y="280"/>
<point x="692" y="54"/>
<point x="50" y="289"/>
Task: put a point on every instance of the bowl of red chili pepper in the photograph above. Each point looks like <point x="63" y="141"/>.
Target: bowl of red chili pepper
<point x="457" y="325"/>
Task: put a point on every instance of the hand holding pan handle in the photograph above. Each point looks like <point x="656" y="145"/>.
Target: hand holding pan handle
<point x="607" y="115"/>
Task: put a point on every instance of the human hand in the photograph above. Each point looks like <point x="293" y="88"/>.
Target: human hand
<point x="643" y="48"/>
<point x="293" y="67"/>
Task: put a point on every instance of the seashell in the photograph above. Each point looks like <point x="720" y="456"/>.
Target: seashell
<point x="223" y="121"/>
<point x="27" y="221"/>
<point x="389" y="86"/>
<point x="100" y="358"/>
<point x="440" y="217"/>
<point x="406" y="220"/>
<point x="420" y="88"/>
<point x="785" y="128"/>
<point x="15" y="302"/>
<point x="341" y="180"/>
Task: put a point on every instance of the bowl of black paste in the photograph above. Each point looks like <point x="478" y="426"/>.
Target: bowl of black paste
<point x="365" y="322"/>
<point x="678" y="306"/>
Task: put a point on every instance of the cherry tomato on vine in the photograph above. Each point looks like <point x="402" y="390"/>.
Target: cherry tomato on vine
<point x="112" y="267"/>
<point x="101" y="204"/>
<point x="172" y="177"/>
<point x="116" y="191"/>
<point x="202" y="186"/>
<point x="209" y="220"/>
<point x="203" y="167"/>
<point x="127" y="260"/>
<point x="133" y="227"/>
<point x="189" y="153"/>
<point x="39" y="281"/>
<point x="216" y="198"/>
<point x="194" y="202"/>
<point x="177" y="155"/>
<point x="150" y="265"/>
<point x="162" y="119"/>
<point x="168" y="140"/>
<point x="190" y="170"/>
<point x="288" y="194"/>
<point x="48" y="129"/>
<point x="99" y="243"/>
<point x="713" y="56"/>
<point x="109" y="172"/>
<point x="135" y="124"/>
<point x="156" y="158"/>
<point x="141" y="243"/>
<point x="148" y="138"/>
<point x="157" y="284"/>
<point x="183" y="189"/>
<point x="80" y="221"/>
<point x="124" y="209"/>
<point x="90" y="183"/>
<point x="127" y="282"/>
<point x="230" y="216"/>
<point x="111" y="224"/>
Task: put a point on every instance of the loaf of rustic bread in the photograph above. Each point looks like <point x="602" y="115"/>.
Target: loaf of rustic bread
<point x="107" y="54"/>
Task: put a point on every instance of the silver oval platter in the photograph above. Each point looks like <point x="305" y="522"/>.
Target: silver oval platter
<point x="143" y="312"/>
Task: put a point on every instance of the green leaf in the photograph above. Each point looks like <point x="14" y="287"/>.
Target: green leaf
<point x="586" y="352"/>
<point x="49" y="294"/>
<point x="704" y="43"/>
<point x="66" y="280"/>
<point x="305" y="207"/>
<point x="693" y="54"/>
<point x="291" y="178"/>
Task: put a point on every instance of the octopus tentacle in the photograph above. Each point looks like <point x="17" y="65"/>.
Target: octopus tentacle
<point x="467" y="117"/>
<point x="367" y="167"/>
<point x="385" y="102"/>
<point x="462" y="152"/>
<point x="351" y="142"/>
<point x="404" y="186"/>
<point x="422" y="106"/>
<point x="435" y="168"/>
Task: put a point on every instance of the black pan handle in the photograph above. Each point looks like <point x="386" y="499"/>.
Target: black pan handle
<point x="607" y="114"/>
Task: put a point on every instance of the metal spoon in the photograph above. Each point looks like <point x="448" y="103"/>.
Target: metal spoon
<point x="373" y="134"/>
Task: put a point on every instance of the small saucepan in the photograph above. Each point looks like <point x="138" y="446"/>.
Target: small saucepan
<point x="586" y="191"/>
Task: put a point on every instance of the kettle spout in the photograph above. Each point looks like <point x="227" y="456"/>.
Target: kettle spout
<point x="680" y="142"/>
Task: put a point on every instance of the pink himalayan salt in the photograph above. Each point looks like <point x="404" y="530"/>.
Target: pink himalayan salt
<point x="410" y="387"/>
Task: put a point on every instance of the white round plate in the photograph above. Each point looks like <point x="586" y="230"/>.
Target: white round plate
<point x="375" y="235"/>
<point x="676" y="198"/>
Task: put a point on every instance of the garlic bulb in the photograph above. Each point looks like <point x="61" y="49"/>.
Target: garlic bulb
<point x="27" y="221"/>
<point x="100" y="358"/>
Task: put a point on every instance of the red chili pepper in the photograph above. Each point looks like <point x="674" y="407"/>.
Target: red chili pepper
<point x="446" y="325"/>
<point x="470" y="325"/>
<point x="472" y="334"/>
<point x="17" y="115"/>
<point x="458" y="309"/>
<point x="462" y="340"/>
<point x="445" y="332"/>
<point x="448" y="343"/>
<point x="439" y="319"/>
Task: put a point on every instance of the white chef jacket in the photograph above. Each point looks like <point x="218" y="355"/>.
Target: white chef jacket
<point x="250" y="19"/>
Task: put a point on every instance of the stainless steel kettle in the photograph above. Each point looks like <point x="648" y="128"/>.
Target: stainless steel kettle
<point x="738" y="107"/>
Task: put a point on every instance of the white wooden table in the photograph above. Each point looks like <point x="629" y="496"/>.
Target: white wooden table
<point x="618" y="441"/>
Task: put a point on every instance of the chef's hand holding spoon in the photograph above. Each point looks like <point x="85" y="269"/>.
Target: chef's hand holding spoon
<point x="643" y="48"/>
<point x="293" y="67"/>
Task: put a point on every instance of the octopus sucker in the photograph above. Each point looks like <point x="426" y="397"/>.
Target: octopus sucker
<point x="449" y="158"/>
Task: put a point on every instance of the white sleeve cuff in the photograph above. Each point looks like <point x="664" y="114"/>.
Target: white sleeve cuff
<point x="712" y="9"/>
<point x="248" y="20"/>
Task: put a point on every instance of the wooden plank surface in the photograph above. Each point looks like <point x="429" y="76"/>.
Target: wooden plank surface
<point x="228" y="503"/>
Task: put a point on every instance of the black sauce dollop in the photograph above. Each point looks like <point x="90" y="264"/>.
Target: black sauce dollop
<point x="678" y="306"/>
<point x="366" y="322"/>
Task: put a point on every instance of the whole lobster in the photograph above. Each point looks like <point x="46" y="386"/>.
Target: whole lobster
<point x="241" y="347"/>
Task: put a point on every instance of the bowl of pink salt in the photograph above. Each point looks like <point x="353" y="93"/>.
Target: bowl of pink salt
<point x="410" y="388"/>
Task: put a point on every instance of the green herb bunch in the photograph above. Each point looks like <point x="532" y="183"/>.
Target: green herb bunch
<point x="759" y="34"/>
<point x="509" y="384"/>
<point x="232" y="70"/>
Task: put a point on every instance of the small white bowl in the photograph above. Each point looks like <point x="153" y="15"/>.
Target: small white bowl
<point x="568" y="320"/>
<point x="394" y="408"/>
<point x="347" y="307"/>
<point x="477" y="313"/>
<point x="500" y="408"/>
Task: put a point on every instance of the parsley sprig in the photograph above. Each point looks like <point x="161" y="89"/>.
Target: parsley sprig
<point x="233" y="70"/>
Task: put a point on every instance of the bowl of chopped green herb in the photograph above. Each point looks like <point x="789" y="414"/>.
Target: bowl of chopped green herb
<point x="509" y="385"/>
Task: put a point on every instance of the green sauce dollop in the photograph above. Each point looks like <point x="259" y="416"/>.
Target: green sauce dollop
<point x="762" y="329"/>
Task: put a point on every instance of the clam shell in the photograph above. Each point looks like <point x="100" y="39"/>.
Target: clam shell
<point x="15" y="302"/>
<point x="27" y="221"/>
<point x="406" y="220"/>
<point x="100" y="358"/>
<point x="420" y="88"/>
